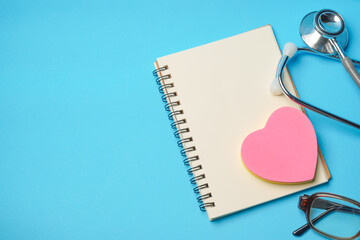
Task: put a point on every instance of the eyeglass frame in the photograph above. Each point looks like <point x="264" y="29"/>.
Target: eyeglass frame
<point x="305" y="203"/>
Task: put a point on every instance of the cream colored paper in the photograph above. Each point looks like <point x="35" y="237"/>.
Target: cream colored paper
<point x="223" y="88"/>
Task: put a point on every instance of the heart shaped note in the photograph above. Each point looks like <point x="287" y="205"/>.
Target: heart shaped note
<point x="285" y="151"/>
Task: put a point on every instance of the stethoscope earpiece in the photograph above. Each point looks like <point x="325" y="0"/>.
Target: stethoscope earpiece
<point x="289" y="51"/>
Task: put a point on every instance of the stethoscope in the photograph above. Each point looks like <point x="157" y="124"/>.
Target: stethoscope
<point x="325" y="34"/>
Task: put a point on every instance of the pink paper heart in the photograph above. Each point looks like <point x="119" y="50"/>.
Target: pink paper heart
<point x="285" y="151"/>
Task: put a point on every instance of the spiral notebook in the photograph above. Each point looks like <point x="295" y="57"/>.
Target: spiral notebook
<point x="215" y="95"/>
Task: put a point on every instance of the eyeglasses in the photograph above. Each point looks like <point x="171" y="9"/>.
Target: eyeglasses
<point x="331" y="215"/>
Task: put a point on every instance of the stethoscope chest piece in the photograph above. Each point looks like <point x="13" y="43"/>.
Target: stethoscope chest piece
<point x="319" y="27"/>
<point x="325" y="34"/>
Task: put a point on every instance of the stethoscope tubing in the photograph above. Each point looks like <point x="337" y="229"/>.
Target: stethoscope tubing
<point x="279" y="75"/>
<point x="334" y="57"/>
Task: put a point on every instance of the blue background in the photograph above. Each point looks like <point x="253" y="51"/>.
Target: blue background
<point x="86" y="151"/>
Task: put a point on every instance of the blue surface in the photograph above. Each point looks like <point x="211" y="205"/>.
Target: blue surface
<point x="86" y="151"/>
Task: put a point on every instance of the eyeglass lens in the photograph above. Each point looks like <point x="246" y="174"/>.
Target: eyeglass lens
<point x="336" y="217"/>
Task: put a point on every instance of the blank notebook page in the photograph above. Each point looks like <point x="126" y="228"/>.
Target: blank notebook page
<point x="223" y="88"/>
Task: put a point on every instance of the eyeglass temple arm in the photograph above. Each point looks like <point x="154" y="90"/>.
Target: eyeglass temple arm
<point x="330" y="206"/>
<point x="301" y="230"/>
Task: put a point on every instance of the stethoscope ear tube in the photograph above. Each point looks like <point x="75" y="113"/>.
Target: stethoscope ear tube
<point x="279" y="77"/>
<point x="350" y="68"/>
<point x="346" y="61"/>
